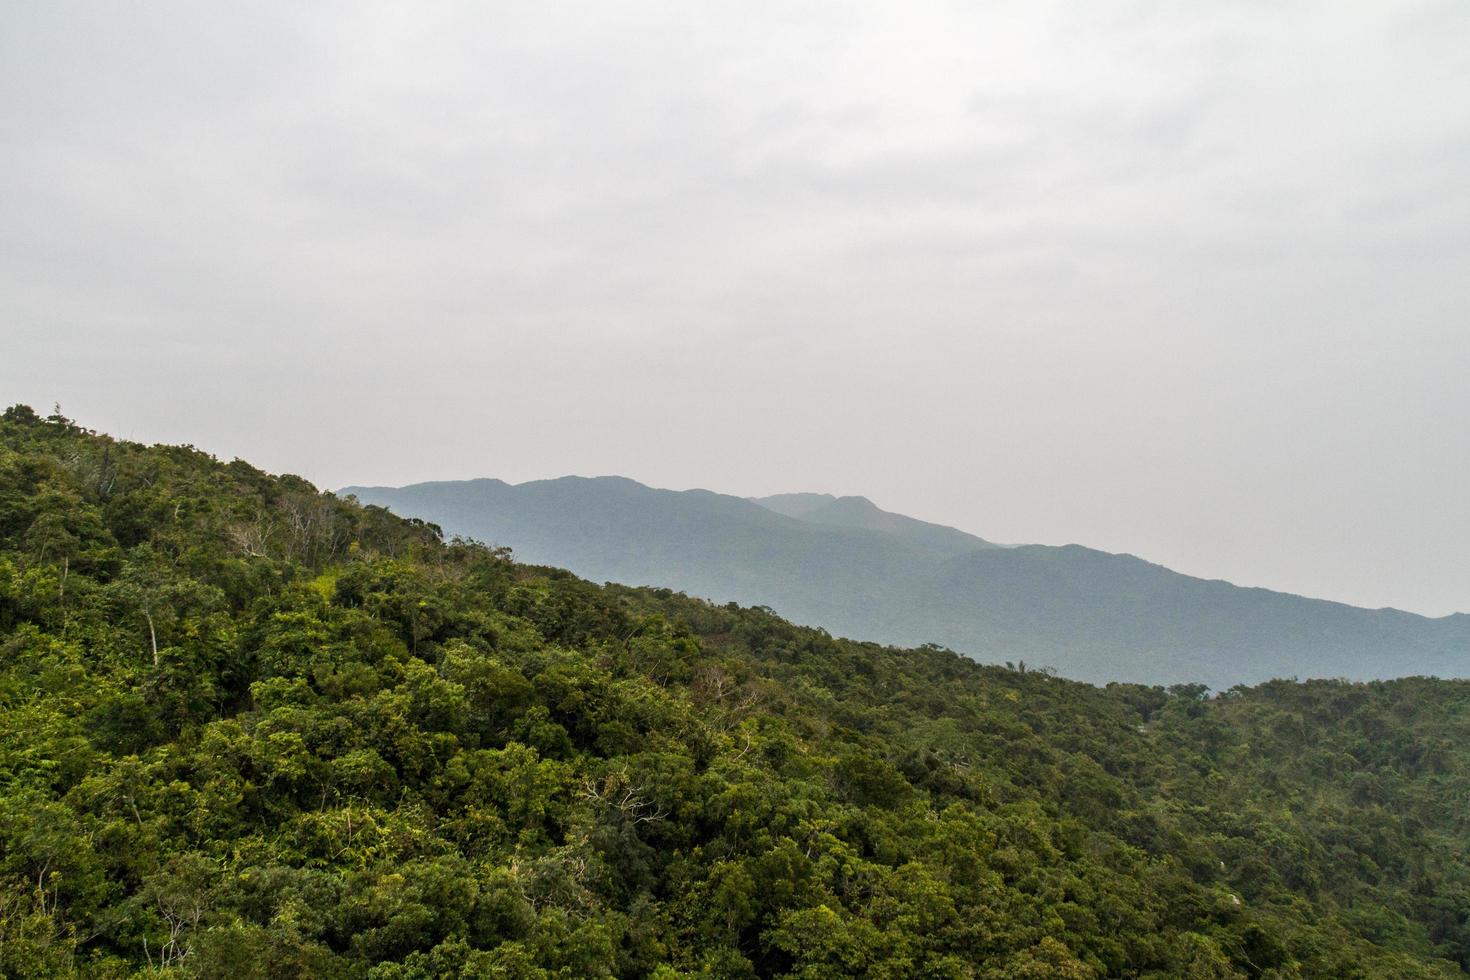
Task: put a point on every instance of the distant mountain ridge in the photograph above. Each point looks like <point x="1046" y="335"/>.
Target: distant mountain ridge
<point x="846" y="565"/>
<point x="862" y="513"/>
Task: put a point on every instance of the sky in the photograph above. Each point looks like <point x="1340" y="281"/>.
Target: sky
<point x="1188" y="281"/>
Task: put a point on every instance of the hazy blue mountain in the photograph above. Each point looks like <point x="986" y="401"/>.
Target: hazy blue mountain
<point x="707" y="544"/>
<point x="846" y="565"/>
<point x="860" y="512"/>
<point x="1101" y="616"/>
<point x="798" y="505"/>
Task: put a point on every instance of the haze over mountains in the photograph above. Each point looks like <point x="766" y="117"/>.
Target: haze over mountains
<point x="844" y="564"/>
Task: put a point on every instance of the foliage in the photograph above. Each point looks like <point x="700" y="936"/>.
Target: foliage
<point x="250" y="730"/>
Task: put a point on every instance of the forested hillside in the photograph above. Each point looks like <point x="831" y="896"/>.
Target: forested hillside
<point x="844" y="565"/>
<point x="250" y="730"/>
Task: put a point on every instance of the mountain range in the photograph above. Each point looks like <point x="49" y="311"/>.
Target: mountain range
<point x="844" y="564"/>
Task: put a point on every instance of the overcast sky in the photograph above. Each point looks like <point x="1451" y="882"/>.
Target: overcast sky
<point x="1190" y="281"/>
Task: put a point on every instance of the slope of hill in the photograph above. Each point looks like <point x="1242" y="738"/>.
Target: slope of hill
<point x="845" y="565"/>
<point x="248" y="730"/>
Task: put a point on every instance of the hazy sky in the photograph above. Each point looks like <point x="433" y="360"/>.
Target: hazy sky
<point x="1186" y="280"/>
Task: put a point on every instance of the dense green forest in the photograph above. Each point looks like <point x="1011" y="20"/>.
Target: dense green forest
<point x="250" y="730"/>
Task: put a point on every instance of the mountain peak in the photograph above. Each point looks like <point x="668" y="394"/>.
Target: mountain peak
<point x="855" y="503"/>
<point x="796" y="505"/>
<point x="860" y="513"/>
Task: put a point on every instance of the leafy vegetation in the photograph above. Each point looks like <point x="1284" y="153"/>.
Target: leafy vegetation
<point x="250" y="730"/>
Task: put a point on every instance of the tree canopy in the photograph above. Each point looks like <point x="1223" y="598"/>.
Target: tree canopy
<point x="250" y="730"/>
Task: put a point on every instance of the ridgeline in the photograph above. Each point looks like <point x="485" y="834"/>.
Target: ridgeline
<point x="846" y="566"/>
